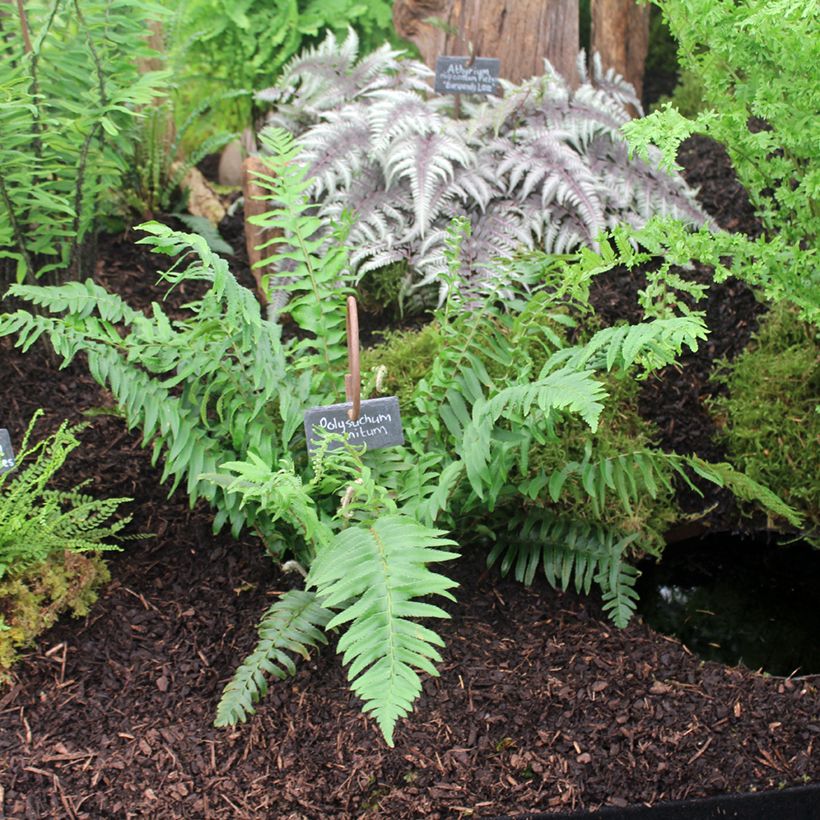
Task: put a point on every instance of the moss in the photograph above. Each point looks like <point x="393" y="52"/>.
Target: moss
<point x="408" y="356"/>
<point x="770" y="420"/>
<point x="31" y="602"/>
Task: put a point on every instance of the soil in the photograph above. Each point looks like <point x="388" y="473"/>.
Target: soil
<point x="541" y="703"/>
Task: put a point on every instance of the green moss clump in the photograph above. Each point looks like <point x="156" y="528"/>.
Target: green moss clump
<point x="31" y="602"/>
<point x="770" y="421"/>
<point x="407" y="356"/>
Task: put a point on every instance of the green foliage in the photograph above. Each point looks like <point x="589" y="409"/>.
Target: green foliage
<point x="204" y="390"/>
<point x="405" y="356"/>
<point x="757" y="62"/>
<point x="36" y="522"/>
<point x="70" y="92"/>
<point x="309" y="265"/>
<point x="770" y="419"/>
<point x="369" y="564"/>
<point x="687" y="97"/>
<point x="374" y="573"/>
<point x="220" y="396"/>
<point x="166" y="151"/>
<point x="571" y="552"/>
<point x="224" y="45"/>
<point x="511" y="416"/>
<point x="45" y="538"/>
<point x="293" y="623"/>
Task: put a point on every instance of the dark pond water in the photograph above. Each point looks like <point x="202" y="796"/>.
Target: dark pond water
<point x="738" y="601"/>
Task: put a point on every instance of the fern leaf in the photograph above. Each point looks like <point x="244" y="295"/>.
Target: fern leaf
<point x="619" y="593"/>
<point x="745" y="488"/>
<point x="292" y="624"/>
<point x="571" y="552"/>
<point x="652" y="344"/>
<point x="428" y="162"/>
<point x="577" y="392"/>
<point x="375" y="573"/>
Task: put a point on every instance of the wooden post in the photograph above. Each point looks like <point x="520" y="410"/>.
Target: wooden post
<point x="254" y="205"/>
<point x="521" y="33"/>
<point x="620" y="34"/>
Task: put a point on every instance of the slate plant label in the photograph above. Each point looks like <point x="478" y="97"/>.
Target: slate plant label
<point x="6" y="451"/>
<point x="378" y="425"/>
<point x="457" y="75"/>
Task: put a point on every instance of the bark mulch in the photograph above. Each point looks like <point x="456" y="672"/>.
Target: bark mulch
<point x="542" y="705"/>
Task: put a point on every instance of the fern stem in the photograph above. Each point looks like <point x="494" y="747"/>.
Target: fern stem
<point x="19" y="236"/>
<point x="74" y="260"/>
<point x="94" y="56"/>
<point x="21" y="13"/>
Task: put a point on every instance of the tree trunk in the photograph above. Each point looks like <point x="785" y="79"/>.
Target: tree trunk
<point x="521" y="33"/>
<point x="620" y="34"/>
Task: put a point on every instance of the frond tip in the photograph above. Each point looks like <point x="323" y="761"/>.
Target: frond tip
<point x="373" y="574"/>
<point x="292" y="624"/>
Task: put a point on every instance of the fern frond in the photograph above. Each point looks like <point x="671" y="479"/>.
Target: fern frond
<point x="577" y="392"/>
<point x="428" y="162"/>
<point x="611" y="83"/>
<point x="292" y="624"/>
<point x="745" y="488"/>
<point x="543" y="162"/>
<point x="652" y="345"/>
<point x="375" y="573"/>
<point x="392" y="114"/>
<point x="335" y="150"/>
<point x="571" y="553"/>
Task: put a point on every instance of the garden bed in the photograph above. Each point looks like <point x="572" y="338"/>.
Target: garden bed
<point x="541" y="704"/>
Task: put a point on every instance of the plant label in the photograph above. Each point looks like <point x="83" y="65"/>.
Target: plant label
<point x="460" y="75"/>
<point x="6" y="451"/>
<point x="378" y="425"/>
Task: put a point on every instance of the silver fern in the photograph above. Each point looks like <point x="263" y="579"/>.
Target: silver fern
<point x="542" y="166"/>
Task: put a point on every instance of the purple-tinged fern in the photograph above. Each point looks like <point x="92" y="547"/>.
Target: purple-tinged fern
<point x="543" y="166"/>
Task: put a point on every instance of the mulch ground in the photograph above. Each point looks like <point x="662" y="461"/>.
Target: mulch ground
<point x="541" y="704"/>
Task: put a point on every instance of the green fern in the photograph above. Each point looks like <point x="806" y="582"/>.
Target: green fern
<point x="375" y="573"/>
<point x="571" y="552"/>
<point x="745" y="488"/>
<point x="71" y="93"/>
<point x="36" y="522"/>
<point x="313" y="282"/>
<point x="292" y="624"/>
<point x="561" y="390"/>
<point x="652" y="345"/>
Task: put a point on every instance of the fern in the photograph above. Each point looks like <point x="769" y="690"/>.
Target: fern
<point x="745" y="488"/>
<point x="315" y="269"/>
<point x="652" y="345"/>
<point x="570" y="552"/>
<point x="376" y="572"/>
<point x="561" y="390"/>
<point x="544" y="166"/>
<point x="292" y="624"/>
<point x="71" y="94"/>
<point x="203" y="391"/>
<point x="36" y="522"/>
